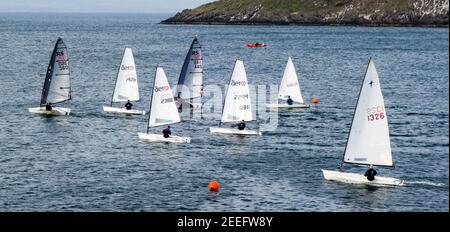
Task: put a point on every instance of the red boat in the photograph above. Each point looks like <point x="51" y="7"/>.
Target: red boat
<point x="256" y="45"/>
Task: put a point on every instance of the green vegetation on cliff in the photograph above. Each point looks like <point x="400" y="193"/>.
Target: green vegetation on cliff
<point x="389" y="12"/>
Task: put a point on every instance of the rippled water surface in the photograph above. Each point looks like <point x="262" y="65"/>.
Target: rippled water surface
<point x="91" y="161"/>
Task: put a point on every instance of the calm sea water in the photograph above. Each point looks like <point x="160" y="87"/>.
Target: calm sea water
<point x="91" y="161"/>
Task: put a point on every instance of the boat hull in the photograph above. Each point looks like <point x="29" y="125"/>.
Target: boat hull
<point x="57" y="111"/>
<point x="122" y="110"/>
<point x="354" y="178"/>
<point x="233" y="131"/>
<point x="254" y="45"/>
<point x="284" y="105"/>
<point x="160" y="138"/>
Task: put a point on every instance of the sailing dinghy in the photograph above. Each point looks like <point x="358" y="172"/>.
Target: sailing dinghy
<point x="163" y="110"/>
<point x="57" y="82"/>
<point x="190" y="83"/>
<point x="237" y="105"/>
<point x="368" y="142"/>
<point x="290" y="87"/>
<point x="126" y="87"/>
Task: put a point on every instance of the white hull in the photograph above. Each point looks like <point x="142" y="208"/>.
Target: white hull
<point x="58" y="111"/>
<point x="160" y="138"/>
<point x="122" y="110"/>
<point x="232" y="131"/>
<point x="354" y="178"/>
<point x="284" y="105"/>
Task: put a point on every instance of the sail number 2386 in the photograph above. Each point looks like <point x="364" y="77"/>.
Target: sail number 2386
<point x="375" y="113"/>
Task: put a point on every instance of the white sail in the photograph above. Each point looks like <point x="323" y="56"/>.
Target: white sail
<point x="163" y="110"/>
<point x="126" y="83"/>
<point x="369" y="142"/>
<point x="57" y="81"/>
<point x="237" y="104"/>
<point x="289" y="84"/>
<point x="190" y="82"/>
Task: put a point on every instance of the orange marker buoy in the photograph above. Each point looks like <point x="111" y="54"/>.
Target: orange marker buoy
<point x="213" y="186"/>
<point x="315" y="100"/>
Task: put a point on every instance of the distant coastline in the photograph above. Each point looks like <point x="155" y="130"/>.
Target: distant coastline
<point x="395" y="13"/>
<point x="307" y="24"/>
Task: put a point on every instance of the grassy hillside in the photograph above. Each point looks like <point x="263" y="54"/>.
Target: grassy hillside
<point x="318" y="11"/>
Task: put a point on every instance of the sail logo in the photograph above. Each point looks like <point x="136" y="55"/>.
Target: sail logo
<point x="240" y="83"/>
<point x="161" y="88"/>
<point x="126" y="68"/>
<point x="60" y="56"/>
<point x="375" y="109"/>
<point x="131" y="79"/>
<point x="196" y="55"/>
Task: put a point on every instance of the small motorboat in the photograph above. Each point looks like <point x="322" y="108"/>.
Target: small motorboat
<point x="256" y="45"/>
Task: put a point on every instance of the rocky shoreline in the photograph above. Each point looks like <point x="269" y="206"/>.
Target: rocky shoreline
<point x="427" y="13"/>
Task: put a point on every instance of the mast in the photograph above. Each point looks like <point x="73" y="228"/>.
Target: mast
<point x="237" y="104"/>
<point x="354" y="112"/>
<point x="57" y="81"/>
<point x="151" y="99"/>
<point x="290" y="85"/>
<point x="186" y="72"/>
<point x="49" y="74"/>
<point x="228" y="89"/>
<point x="117" y="76"/>
<point x="360" y="149"/>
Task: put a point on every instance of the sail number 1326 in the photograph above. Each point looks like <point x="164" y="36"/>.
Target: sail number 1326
<point x="375" y="113"/>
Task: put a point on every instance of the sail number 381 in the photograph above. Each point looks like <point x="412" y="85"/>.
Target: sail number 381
<point x="375" y="113"/>
<point x="244" y="107"/>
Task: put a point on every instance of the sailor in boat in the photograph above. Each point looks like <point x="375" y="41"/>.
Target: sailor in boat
<point x="289" y="101"/>
<point x="166" y="132"/>
<point x="128" y="105"/>
<point x="370" y="173"/>
<point x="48" y="106"/>
<point x="241" y="125"/>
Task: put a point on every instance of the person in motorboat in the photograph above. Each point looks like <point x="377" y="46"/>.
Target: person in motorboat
<point x="370" y="173"/>
<point x="166" y="132"/>
<point x="48" y="106"/>
<point x="128" y="105"/>
<point x="241" y="125"/>
<point x="289" y="101"/>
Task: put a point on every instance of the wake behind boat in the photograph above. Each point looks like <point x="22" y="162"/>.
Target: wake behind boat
<point x="57" y="83"/>
<point x="368" y="142"/>
<point x="163" y="111"/>
<point x="126" y="88"/>
<point x="289" y="91"/>
<point x="237" y="105"/>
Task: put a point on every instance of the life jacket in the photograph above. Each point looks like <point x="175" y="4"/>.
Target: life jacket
<point x="166" y="132"/>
